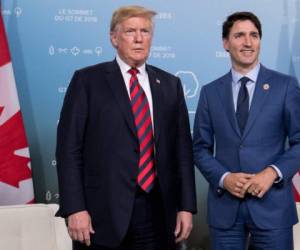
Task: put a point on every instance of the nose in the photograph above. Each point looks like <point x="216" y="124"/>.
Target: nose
<point x="138" y="37"/>
<point x="247" y="41"/>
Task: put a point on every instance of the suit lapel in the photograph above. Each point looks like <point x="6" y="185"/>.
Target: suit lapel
<point x="259" y="97"/>
<point x="118" y="87"/>
<point x="225" y="93"/>
<point x="156" y="100"/>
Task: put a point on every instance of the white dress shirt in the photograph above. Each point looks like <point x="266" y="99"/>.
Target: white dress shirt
<point x="143" y="81"/>
<point x="236" y="85"/>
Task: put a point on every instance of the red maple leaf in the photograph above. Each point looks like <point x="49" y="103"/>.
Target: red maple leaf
<point x="4" y="52"/>
<point x="13" y="168"/>
<point x="296" y="193"/>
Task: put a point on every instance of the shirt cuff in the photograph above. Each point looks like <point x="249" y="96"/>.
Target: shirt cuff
<point x="280" y="177"/>
<point x="221" y="182"/>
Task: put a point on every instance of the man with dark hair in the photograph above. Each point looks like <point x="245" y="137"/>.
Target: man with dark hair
<point x="124" y="149"/>
<point x="242" y="122"/>
<point x="240" y="16"/>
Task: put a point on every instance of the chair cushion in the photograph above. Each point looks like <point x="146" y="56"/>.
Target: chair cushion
<point x="28" y="227"/>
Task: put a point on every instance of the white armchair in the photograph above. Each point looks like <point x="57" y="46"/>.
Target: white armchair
<point x="32" y="227"/>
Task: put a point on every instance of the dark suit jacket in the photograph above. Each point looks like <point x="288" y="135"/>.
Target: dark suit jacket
<point x="219" y="146"/>
<point x="98" y="149"/>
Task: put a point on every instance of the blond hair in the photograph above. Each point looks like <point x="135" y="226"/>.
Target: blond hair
<point x="126" y="12"/>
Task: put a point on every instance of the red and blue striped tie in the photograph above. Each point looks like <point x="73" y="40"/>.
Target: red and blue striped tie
<point x="142" y="118"/>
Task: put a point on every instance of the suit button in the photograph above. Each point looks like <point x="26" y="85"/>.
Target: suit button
<point x="220" y="191"/>
<point x="241" y="146"/>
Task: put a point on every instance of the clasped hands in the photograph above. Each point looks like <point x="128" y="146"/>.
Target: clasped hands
<point x="239" y="184"/>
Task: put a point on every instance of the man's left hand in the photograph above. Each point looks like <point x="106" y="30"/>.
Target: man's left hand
<point x="184" y="225"/>
<point x="261" y="182"/>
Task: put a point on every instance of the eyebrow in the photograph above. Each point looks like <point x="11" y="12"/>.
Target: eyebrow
<point x="243" y="33"/>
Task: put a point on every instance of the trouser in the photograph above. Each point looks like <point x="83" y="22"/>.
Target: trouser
<point x="244" y="232"/>
<point x="147" y="229"/>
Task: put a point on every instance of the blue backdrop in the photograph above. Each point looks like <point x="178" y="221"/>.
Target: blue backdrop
<point x="50" y="39"/>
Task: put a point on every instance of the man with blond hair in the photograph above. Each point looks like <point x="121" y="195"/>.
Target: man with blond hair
<point x="124" y="151"/>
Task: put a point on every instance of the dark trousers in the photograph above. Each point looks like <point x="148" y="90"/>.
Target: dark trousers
<point x="244" y="232"/>
<point x="147" y="229"/>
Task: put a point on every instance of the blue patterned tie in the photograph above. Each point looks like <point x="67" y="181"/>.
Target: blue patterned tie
<point x="242" y="108"/>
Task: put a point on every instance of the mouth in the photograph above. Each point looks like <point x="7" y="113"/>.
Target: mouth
<point x="247" y="52"/>
<point x="138" y="49"/>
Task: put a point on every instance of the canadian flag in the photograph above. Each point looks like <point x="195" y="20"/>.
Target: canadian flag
<point x="296" y="182"/>
<point x="15" y="171"/>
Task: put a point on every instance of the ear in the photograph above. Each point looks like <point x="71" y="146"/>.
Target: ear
<point x="114" y="39"/>
<point x="225" y="44"/>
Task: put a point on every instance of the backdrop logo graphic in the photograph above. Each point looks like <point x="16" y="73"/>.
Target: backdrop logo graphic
<point x="51" y="50"/>
<point x="98" y="51"/>
<point x="62" y="90"/>
<point x="222" y="54"/>
<point x="62" y="50"/>
<point x="190" y="83"/>
<point x="74" y="51"/>
<point x="75" y="16"/>
<point x="162" y="52"/>
<point x="51" y="196"/>
<point x="6" y="12"/>
<point x="87" y="51"/>
<point x="17" y="11"/>
<point x="165" y="15"/>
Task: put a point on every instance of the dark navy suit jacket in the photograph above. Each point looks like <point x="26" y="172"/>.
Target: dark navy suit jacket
<point x="219" y="146"/>
<point x="98" y="149"/>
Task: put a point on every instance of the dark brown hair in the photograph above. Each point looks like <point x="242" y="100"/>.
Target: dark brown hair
<point x="240" y="16"/>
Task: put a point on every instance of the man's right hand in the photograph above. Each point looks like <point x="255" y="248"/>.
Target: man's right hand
<point x="80" y="227"/>
<point x="234" y="183"/>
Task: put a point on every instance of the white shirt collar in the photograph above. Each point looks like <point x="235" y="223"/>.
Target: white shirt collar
<point x="125" y="67"/>
<point x="252" y="74"/>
